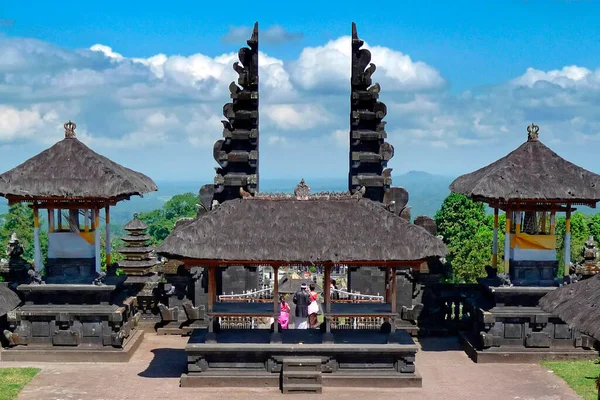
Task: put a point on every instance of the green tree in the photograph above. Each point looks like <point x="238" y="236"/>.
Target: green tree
<point x="161" y="222"/>
<point x="468" y="234"/>
<point x="594" y="226"/>
<point x="19" y="219"/>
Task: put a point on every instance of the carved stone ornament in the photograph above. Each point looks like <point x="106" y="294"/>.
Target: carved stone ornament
<point x="70" y="130"/>
<point x="532" y="133"/>
<point x="302" y="191"/>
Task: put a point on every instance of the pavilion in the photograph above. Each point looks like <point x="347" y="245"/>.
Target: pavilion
<point x="72" y="181"/>
<point x="73" y="311"/>
<point x="531" y="184"/>
<point x="326" y="229"/>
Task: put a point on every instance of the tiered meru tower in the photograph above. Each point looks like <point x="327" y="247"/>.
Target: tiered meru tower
<point x="369" y="152"/>
<point x="138" y="253"/>
<point x="237" y="152"/>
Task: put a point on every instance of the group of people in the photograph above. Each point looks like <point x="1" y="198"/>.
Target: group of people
<point x="307" y="307"/>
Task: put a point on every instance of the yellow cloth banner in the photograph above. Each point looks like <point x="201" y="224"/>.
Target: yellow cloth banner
<point x="88" y="237"/>
<point x="533" y="242"/>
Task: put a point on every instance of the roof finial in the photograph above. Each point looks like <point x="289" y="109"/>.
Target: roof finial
<point x="70" y="130"/>
<point x="532" y="132"/>
<point x="302" y="191"/>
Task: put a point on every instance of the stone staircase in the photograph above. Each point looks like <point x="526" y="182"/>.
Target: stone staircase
<point x="301" y="374"/>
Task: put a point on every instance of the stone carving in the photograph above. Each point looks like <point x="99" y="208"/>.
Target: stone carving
<point x="369" y="152"/>
<point x="532" y="133"/>
<point x="302" y="191"/>
<point x="590" y="251"/>
<point x="35" y="277"/>
<point x="14" y="267"/>
<point x="237" y="152"/>
<point x="590" y="265"/>
<point x="99" y="281"/>
<point x="70" y="130"/>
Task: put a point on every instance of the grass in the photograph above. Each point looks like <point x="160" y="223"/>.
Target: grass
<point x="12" y="380"/>
<point x="579" y="375"/>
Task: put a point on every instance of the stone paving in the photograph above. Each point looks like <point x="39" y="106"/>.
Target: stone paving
<point x="154" y="371"/>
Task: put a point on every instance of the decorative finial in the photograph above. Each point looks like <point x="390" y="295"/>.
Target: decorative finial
<point x="135" y="215"/>
<point x="302" y="191"/>
<point x="532" y="132"/>
<point x="70" y="130"/>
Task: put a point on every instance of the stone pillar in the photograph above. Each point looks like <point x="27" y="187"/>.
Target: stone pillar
<point x="37" y="251"/>
<point x="567" y="255"/>
<point x="107" y="244"/>
<point x="495" y="240"/>
<point x="96" y="216"/>
<point x="507" y="244"/>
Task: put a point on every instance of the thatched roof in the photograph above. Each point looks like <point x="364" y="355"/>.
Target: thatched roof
<point x="531" y="172"/>
<point x="288" y="230"/>
<point x="577" y="305"/>
<point x="71" y="170"/>
<point x="8" y="299"/>
<point x="135" y="224"/>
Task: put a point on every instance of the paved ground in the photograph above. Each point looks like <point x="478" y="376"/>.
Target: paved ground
<point x="153" y="373"/>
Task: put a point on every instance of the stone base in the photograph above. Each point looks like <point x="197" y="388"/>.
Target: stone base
<point x="184" y="331"/>
<point x="523" y="355"/>
<point x="265" y="379"/>
<point x="248" y="358"/>
<point x="70" y="354"/>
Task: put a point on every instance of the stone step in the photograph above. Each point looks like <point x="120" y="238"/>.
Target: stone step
<point x="299" y="388"/>
<point x="306" y="362"/>
<point x="301" y="377"/>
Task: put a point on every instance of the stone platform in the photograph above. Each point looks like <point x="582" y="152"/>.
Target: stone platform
<point x="519" y="354"/>
<point x="58" y="354"/>
<point x="246" y="358"/>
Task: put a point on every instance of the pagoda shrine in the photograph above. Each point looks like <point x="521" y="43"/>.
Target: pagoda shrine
<point x="139" y="259"/>
<point x="531" y="184"/>
<point x="72" y="309"/>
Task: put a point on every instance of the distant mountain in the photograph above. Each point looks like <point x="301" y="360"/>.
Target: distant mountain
<point x="426" y="193"/>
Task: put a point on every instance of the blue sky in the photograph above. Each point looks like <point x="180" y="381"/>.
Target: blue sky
<point x="462" y="80"/>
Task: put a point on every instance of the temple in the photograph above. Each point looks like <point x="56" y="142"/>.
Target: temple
<point x="530" y="184"/>
<point x="325" y="229"/>
<point x="70" y="303"/>
<point x="237" y="152"/>
<point x="369" y="152"/>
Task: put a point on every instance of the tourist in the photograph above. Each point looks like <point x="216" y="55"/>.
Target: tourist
<point x="301" y="300"/>
<point x="313" y="307"/>
<point x="284" y="313"/>
<point x="335" y="295"/>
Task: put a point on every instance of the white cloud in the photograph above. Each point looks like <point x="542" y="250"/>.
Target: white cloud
<point x="328" y="67"/>
<point x="566" y="77"/>
<point x="296" y="116"/>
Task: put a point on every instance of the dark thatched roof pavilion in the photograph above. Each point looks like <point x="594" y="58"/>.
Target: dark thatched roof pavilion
<point x="71" y="170"/>
<point x="301" y="231"/>
<point x="577" y="305"/>
<point x="71" y="177"/>
<point x="528" y="183"/>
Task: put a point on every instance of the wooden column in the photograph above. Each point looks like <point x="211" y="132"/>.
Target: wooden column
<point x="495" y="240"/>
<point x="507" y="244"/>
<point x="96" y="225"/>
<point x="393" y="290"/>
<point x="518" y="216"/>
<point x="388" y="285"/>
<point x="59" y="218"/>
<point x="275" y="290"/>
<point x="50" y="220"/>
<point x="327" y="288"/>
<point x="37" y="252"/>
<point x="212" y="286"/>
<point x="567" y="255"/>
<point x="553" y="222"/>
<point x="543" y="227"/>
<point x="86" y="212"/>
<point x="107" y="245"/>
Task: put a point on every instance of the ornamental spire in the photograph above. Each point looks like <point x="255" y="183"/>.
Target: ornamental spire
<point x="532" y="133"/>
<point x="70" y="130"/>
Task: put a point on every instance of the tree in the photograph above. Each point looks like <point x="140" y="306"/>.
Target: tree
<point x="161" y="222"/>
<point x="468" y="234"/>
<point x="19" y="219"/>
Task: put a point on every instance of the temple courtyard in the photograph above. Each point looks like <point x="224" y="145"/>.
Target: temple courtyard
<point x="156" y="367"/>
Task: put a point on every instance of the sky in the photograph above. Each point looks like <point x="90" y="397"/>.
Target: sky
<point x="146" y="81"/>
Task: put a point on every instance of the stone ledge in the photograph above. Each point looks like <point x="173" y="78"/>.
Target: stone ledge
<point x="61" y="354"/>
<point x="522" y="355"/>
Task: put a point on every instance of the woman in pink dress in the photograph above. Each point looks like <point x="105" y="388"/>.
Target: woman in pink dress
<point x="284" y="313"/>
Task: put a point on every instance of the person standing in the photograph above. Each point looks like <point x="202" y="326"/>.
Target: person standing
<point x="301" y="300"/>
<point x="313" y="306"/>
<point x="284" y="313"/>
